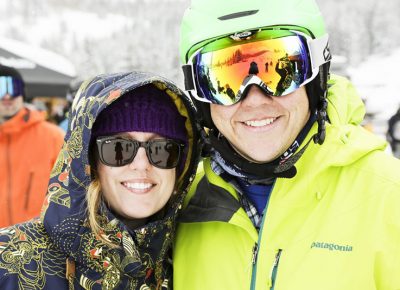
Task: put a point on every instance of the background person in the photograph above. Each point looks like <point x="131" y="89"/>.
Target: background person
<point x="393" y="133"/>
<point x="295" y="194"/>
<point x="72" y="91"/>
<point x="29" y="146"/>
<point x="107" y="225"/>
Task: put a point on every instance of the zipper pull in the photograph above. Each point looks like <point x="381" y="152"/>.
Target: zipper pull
<point x="70" y="272"/>
<point x="277" y="257"/>
<point x="255" y="252"/>
<point x="274" y="270"/>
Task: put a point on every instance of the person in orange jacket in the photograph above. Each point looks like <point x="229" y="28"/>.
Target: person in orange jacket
<point x="29" y="146"/>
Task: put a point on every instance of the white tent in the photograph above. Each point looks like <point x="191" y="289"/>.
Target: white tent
<point x="45" y="73"/>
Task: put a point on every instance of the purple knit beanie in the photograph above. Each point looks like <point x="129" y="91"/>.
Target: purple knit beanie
<point x="145" y="109"/>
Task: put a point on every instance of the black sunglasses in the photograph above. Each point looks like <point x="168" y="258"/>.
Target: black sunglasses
<point x="118" y="151"/>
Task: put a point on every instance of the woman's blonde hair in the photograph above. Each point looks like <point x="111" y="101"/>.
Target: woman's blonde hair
<point x="94" y="199"/>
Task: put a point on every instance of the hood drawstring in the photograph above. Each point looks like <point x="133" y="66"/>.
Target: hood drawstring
<point x="70" y="273"/>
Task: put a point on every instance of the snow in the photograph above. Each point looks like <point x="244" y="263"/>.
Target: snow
<point x="81" y="24"/>
<point x="36" y="55"/>
<point x="376" y="79"/>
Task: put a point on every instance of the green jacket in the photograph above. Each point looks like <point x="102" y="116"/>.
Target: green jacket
<point x="334" y="226"/>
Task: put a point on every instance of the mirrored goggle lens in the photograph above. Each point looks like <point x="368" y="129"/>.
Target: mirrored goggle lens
<point x="119" y="152"/>
<point x="282" y="64"/>
<point x="11" y="86"/>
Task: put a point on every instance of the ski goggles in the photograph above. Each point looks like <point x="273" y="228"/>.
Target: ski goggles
<point x="279" y="61"/>
<point x="118" y="151"/>
<point x="11" y="86"/>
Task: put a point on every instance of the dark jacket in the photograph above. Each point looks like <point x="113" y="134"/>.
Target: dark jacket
<point x="393" y="126"/>
<point x="59" y="250"/>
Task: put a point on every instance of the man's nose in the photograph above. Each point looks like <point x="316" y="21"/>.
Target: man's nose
<point x="255" y="97"/>
<point x="5" y="97"/>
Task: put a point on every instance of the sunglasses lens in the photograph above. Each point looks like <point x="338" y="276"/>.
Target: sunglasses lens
<point x="281" y="62"/>
<point x="11" y="86"/>
<point x="164" y="153"/>
<point x="117" y="152"/>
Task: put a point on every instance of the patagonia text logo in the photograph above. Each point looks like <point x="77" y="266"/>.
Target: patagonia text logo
<point x="331" y="247"/>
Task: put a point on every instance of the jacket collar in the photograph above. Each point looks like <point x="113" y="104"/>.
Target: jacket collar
<point x="24" y="118"/>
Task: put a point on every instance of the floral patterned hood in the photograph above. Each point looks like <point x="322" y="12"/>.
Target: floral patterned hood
<point x="142" y="253"/>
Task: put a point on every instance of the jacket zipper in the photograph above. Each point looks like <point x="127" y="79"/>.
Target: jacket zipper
<point x="9" y="187"/>
<point x="274" y="270"/>
<point x="254" y="256"/>
<point x="255" y="253"/>
<point x="255" y="247"/>
<point x="28" y="190"/>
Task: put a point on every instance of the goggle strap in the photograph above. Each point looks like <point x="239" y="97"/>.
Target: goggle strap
<point x="319" y="50"/>
<point x="188" y="77"/>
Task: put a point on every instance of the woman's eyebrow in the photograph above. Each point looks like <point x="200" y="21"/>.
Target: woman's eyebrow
<point x="151" y="137"/>
<point x="124" y="135"/>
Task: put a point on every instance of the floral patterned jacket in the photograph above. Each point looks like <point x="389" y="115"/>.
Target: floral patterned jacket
<point x="59" y="250"/>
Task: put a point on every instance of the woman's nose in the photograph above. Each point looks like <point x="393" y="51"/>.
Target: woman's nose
<point x="140" y="162"/>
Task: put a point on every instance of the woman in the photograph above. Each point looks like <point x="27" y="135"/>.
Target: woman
<point x="129" y="155"/>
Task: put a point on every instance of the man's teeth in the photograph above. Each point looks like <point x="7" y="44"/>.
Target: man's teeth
<point x="140" y="185"/>
<point x="260" y="123"/>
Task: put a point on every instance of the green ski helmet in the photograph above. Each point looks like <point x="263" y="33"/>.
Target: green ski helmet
<point x="206" y="20"/>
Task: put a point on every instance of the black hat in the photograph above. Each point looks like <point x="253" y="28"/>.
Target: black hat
<point x="9" y="72"/>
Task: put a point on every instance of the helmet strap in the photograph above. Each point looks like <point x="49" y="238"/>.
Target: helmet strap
<point x="203" y="113"/>
<point x="322" y="92"/>
<point x="276" y="168"/>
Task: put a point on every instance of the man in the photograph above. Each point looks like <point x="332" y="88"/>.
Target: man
<point x="29" y="146"/>
<point x="294" y="193"/>
<point x="393" y="133"/>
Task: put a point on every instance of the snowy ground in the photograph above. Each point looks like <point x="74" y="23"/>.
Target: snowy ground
<point x="377" y="81"/>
